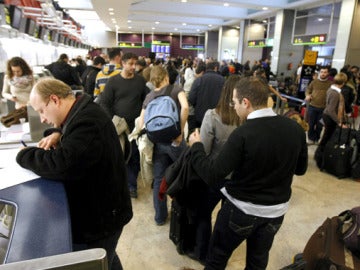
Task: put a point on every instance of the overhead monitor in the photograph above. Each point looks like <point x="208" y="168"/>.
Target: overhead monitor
<point x="15" y="16"/>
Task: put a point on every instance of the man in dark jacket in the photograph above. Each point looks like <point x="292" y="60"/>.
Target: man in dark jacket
<point x="62" y="71"/>
<point x="263" y="154"/>
<point x="88" y="77"/>
<point x="88" y="160"/>
<point x="205" y="91"/>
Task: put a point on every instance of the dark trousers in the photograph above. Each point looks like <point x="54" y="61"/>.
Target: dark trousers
<point x="315" y="127"/>
<point x="232" y="227"/>
<point x="330" y="127"/>
<point x="108" y="243"/>
<point x="133" y="166"/>
<point x="203" y="224"/>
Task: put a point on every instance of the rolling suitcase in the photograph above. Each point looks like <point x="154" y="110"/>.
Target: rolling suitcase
<point x="326" y="251"/>
<point x="338" y="153"/>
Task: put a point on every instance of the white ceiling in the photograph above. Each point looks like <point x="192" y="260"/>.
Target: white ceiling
<point x="175" y="16"/>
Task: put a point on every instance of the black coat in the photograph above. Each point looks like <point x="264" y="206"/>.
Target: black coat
<point x="64" y="72"/>
<point x="90" y="164"/>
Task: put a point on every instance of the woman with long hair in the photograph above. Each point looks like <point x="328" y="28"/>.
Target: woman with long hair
<point x="215" y="129"/>
<point x="18" y="82"/>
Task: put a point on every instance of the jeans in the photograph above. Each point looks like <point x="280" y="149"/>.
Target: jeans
<point x="164" y="154"/>
<point x="315" y="127"/>
<point x="108" y="243"/>
<point x="232" y="227"/>
<point x="133" y="166"/>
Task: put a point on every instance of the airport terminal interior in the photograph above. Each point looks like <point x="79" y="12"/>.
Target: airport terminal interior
<point x="315" y="196"/>
<point x="287" y="33"/>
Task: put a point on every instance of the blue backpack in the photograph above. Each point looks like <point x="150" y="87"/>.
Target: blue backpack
<point x="162" y="118"/>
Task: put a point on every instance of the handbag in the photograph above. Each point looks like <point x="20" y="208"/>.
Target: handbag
<point x="14" y="117"/>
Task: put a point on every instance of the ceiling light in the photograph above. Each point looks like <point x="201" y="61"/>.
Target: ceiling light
<point x="264" y="21"/>
<point x="210" y="25"/>
<point x="175" y="29"/>
<point x="183" y="1"/>
<point x="157" y="22"/>
<point x="111" y="13"/>
<point x="153" y="28"/>
<point x="129" y="27"/>
<point x="198" y="30"/>
<point x="226" y="4"/>
<point x="129" y="21"/>
<point x="171" y="34"/>
<point x="184" y="24"/>
<point x="111" y="9"/>
<point x="265" y="8"/>
<point x="320" y="19"/>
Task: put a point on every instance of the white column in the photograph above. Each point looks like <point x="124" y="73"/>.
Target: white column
<point x="343" y="33"/>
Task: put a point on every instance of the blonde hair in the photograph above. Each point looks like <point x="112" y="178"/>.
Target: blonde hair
<point x="46" y="87"/>
<point x="158" y="75"/>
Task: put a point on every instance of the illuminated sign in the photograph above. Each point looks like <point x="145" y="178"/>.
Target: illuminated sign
<point x="260" y="43"/>
<point x="199" y="47"/>
<point x="310" y="39"/>
<point x="123" y="44"/>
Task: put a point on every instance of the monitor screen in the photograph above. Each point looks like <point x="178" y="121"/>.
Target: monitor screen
<point x="30" y="27"/>
<point x="15" y="15"/>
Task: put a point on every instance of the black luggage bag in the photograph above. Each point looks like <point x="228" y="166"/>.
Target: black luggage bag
<point x="338" y="153"/>
<point x="326" y="251"/>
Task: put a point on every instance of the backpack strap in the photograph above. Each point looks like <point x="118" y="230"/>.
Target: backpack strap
<point x="168" y="90"/>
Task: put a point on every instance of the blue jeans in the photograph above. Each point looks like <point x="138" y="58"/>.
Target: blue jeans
<point x="232" y="227"/>
<point x="315" y="127"/>
<point x="133" y="166"/>
<point x="108" y="243"/>
<point x="164" y="154"/>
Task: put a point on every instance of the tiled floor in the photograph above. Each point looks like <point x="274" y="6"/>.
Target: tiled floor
<point x="316" y="195"/>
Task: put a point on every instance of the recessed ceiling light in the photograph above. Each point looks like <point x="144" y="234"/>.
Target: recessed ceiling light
<point x="265" y="8"/>
<point x="183" y="1"/>
<point x="111" y="13"/>
<point x="264" y="21"/>
<point x="320" y="19"/>
<point x="153" y="28"/>
<point x="171" y="34"/>
<point x="157" y="22"/>
<point x="210" y="25"/>
<point x="175" y="29"/>
<point x="184" y="24"/>
<point x="226" y="4"/>
<point x="111" y="9"/>
<point x="129" y="21"/>
<point x="129" y="27"/>
<point x="198" y="30"/>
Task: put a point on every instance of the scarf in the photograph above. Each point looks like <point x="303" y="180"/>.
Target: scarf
<point x="22" y="82"/>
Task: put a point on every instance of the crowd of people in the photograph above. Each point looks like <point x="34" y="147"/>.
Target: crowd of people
<point x="224" y="118"/>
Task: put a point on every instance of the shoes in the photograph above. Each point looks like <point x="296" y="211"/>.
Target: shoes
<point x="193" y="256"/>
<point x="133" y="194"/>
<point x="160" y="223"/>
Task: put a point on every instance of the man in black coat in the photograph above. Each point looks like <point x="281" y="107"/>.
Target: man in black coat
<point x="88" y="77"/>
<point x="88" y="160"/>
<point x="62" y="71"/>
<point x="205" y="91"/>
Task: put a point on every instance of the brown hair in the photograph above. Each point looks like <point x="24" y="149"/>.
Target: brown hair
<point x="228" y="115"/>
<point x="340" y="78"/>
<point x="18" y="62"/>
<point x="157" y="75"/>
<point x="254" y="89"/>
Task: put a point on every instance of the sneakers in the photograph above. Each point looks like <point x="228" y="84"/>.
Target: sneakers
<point x="133" y="194"/>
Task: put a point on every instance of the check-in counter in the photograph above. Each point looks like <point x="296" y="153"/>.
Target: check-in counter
<point x="40" y="224"/>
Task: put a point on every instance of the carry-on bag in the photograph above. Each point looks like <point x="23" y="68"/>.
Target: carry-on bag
<point x="325" y="249"/>
<point x="338" y="153"/>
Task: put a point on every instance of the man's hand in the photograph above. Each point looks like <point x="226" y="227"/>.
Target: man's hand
<point x="50" y="141"/>
<point x="194" y="137"/>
